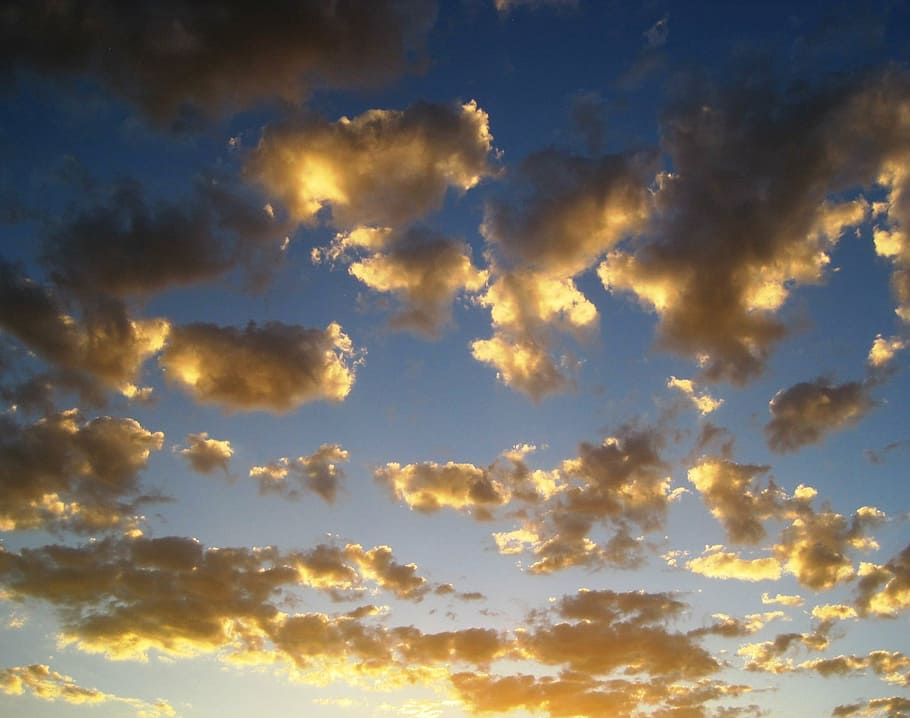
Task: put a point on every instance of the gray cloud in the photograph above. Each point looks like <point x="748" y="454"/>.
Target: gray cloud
<point x="177" y="57"/>
<point x="806" y="412"/>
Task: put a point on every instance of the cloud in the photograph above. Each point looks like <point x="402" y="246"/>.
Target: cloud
<point x="657" y="34"/>
<point x="48" y="685"/>
<point x="746" y="214"/>
<point x="704" y="402"/>
<point x="816" y="546"/>
<point x="126" y="597"/>
<point x="885" y="590"/>
<point x="893" y="667"/>
<point x="66" y="471"/>
<point x="771" y="656"/>
<point x="807" y="411"/>
<point x="180" y="58"/>
<point x="525" y="308"/>
<point x="206" y="455"/>
<point x="782" y="599"/>
<point x="883" y="351"/>
<point x="317" y="473"/>
<point x="506" y="6"/>
<point x="104" y="343"/>
<point x="429" y="487"/>
<point x="728" y="490"/>
<point x="615" y="631"/>
<point x="384" y="168"/>
<point x="126" y="245"/>
<point x="566" y="211"/>
<point x="425" y="271"/>
<point x="893" y="707"/>
<point x="269" y="367"/>
<point x="717" y="563"/>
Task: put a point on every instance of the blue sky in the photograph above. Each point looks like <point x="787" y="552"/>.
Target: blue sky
<point x="404" y="358"/>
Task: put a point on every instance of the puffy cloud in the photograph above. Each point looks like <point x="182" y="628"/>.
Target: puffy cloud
<point x="891" y="236"/>
<point x="885" y="590"/>
<point x="125" y="245"/>
<point x="525" y="308"/>
<point x="728" y="490"/>
<point x="893" y="707"/>
<point x="428" y="487"/>
<point x="893" y="667"/>
<point x="807" y="411"/>
<point x="272" y="367"/>
<point x="616" y="631"/>
<point x="128" y="596"/>
<point x="815" y="547"/>
<point x="384" y="168"/>
<point x="206" y="455"/>
<point x="883" y="350"/>
<point x="782" y="599"/>
<point x="66" y="471"/>
<point x="746" y="213"/>
<point x="317" y="473"/>
<point x="569" y="210"/>
<point x="104" y="343"/>
<point x="717" y="563"/>
<point x="773" y="656"/>
<point x="49" y="685"/>
<point x="176" y="56"/>
<point x="704" y="402"/>
<point x="425" y="271"/>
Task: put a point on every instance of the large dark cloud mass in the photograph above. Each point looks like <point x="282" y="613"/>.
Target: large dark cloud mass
<point x="216" y="55"/>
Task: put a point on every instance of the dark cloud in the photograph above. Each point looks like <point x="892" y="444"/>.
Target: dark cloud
<point x="747" y="212"/>
<point x="103" y="342"/>
<point x="126" y="245"/>
<point x="272" y="367"/>
<point x="206" y="58"/>
<point x="806" y="412"/>
<point x="65" y="471"/>
<point x="566" y="211"/>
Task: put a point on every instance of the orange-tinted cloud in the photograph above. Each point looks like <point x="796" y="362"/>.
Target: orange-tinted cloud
<point x="317" y="473"/>
<point x="384" y="168"/>
<point x="66" y="471"/>
<point x="49" y="685"/>
<point x="746" y="214"/>
<point x="206" y="455"/>
<point x="272" y="367"/>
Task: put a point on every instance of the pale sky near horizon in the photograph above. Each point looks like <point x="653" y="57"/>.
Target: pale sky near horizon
<point x="436" y="359"/>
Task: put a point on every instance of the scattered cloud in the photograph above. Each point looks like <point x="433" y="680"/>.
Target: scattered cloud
<point x="206" y="455"/>
<point x="806" y="412"/>
<point x="885" y="590"/>
<point x="384" y="168"/>
<point x="703" y="401"/>
<point x="67" y="471"/>
<point x="269" y="367"/>
<point x="317" y="473"/>
<point x="41" y="682"/>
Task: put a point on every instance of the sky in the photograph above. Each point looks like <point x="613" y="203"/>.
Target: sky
<point x="438" y="359"/>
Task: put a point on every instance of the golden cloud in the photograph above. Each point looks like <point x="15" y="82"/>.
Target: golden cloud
<point x="317" y="473"/>
<point x="64" y="470"/>
<point x="206" y="455"/>
<point x="384" y="168"/>
<point x="272" y="367"/>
